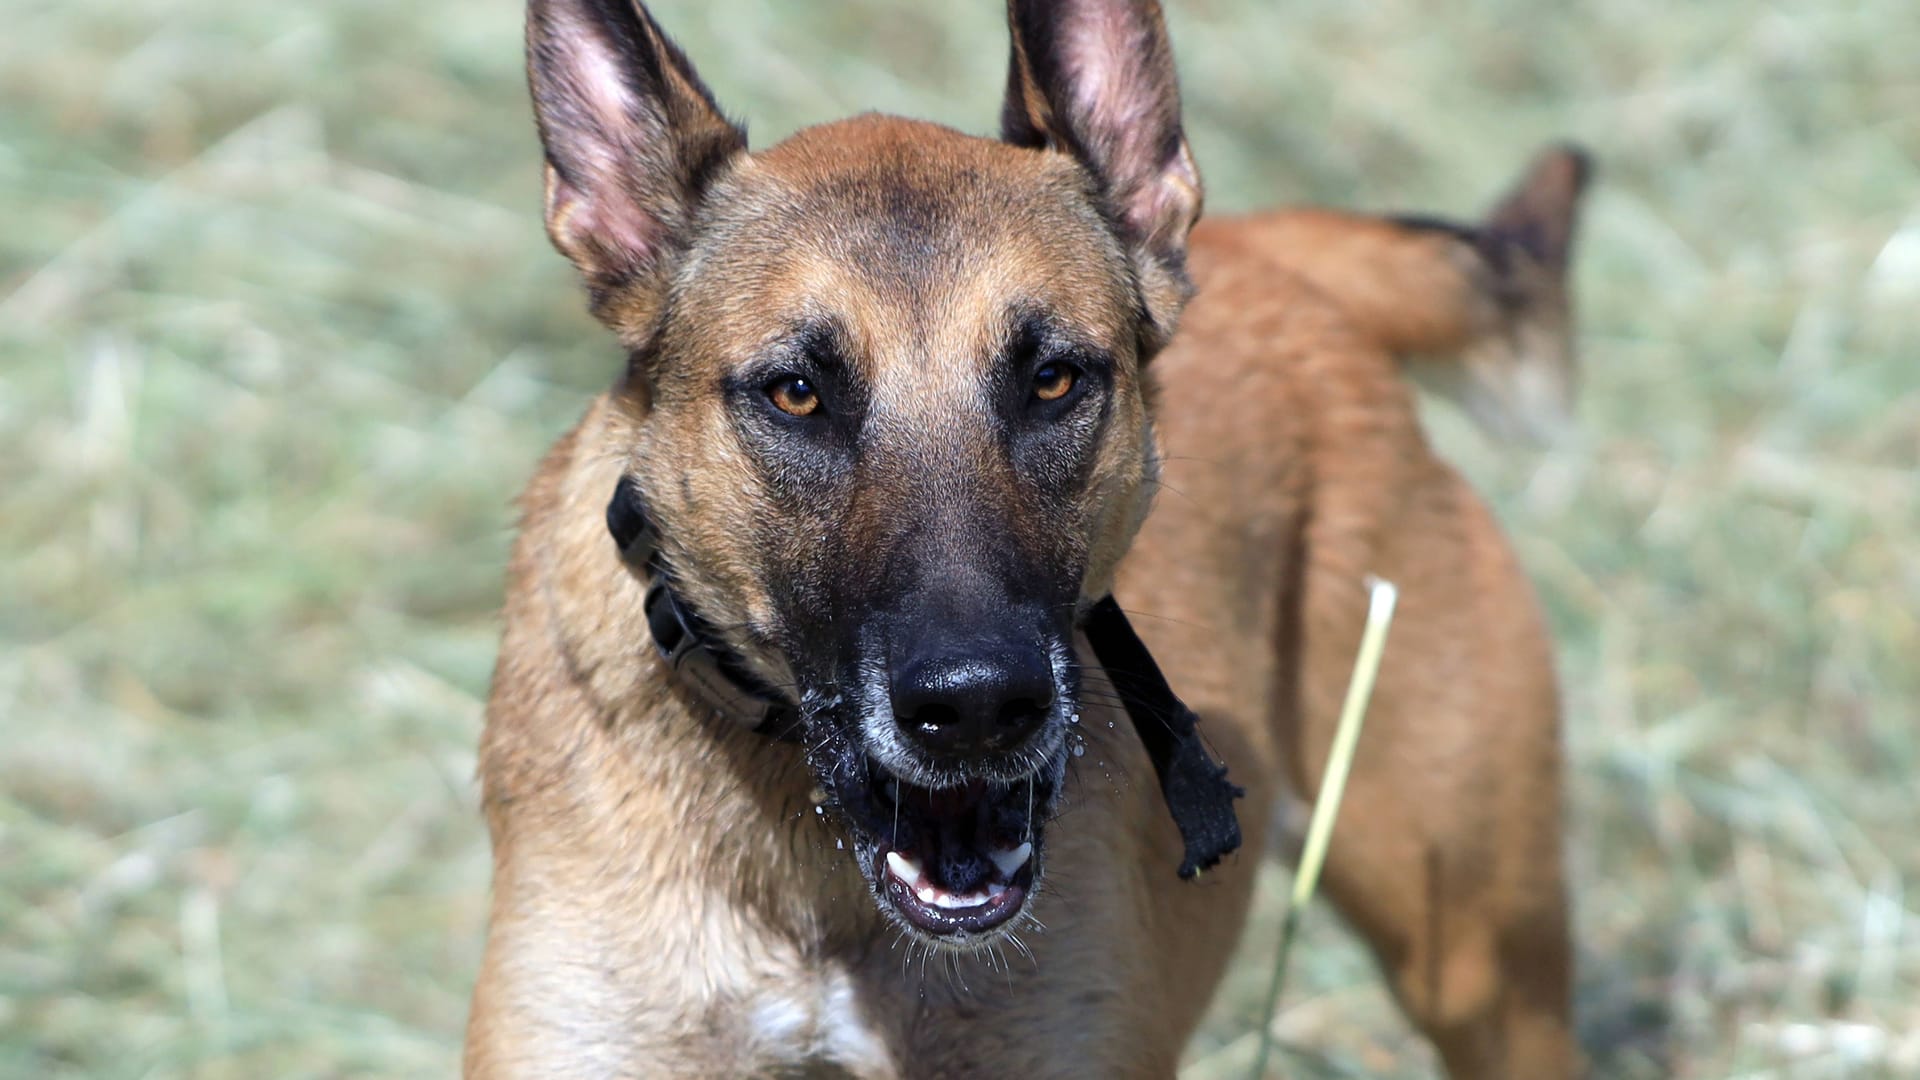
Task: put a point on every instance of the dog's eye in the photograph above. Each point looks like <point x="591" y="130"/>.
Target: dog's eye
<point x="1052" y="381"/>
<point x="794" y="395"/>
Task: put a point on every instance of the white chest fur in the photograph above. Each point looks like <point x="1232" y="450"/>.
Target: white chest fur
<point x="817" y="1018"/>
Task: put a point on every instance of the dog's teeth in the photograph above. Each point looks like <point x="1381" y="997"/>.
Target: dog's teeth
<point x="908" y="873"/>
<point x="951" y="901"/>
<point x="903" y="868"/>
<point x="1010" y="861"/>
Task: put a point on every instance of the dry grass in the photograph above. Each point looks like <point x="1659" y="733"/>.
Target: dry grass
<point x="280" y="336"/>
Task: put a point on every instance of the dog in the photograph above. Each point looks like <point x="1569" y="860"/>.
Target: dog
<point x="799" y="758"/>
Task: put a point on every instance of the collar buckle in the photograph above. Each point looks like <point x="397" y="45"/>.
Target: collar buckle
<point x="712" y="679"/>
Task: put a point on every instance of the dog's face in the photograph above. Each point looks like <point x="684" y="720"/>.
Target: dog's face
<point x="887" y="404"/>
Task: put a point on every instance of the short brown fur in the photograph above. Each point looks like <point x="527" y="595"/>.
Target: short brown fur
<point x="666" y="903"/>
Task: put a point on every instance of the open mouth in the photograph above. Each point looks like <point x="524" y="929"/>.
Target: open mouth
<point x="953" y="862"/>
<point x="961" y="859"/>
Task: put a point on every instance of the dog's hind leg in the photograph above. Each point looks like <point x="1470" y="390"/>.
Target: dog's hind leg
<point x="1447" y="854"/>
<point x="1481" y="971"/>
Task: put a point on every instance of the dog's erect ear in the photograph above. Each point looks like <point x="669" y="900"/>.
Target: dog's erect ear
<point x="1095" y="79"/>
<point x="631" y="138"/>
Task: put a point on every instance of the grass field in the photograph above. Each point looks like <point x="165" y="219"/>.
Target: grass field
<point x="280" y="336"/>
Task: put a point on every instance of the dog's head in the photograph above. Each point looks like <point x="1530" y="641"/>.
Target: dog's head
<point x="887" y="405"/>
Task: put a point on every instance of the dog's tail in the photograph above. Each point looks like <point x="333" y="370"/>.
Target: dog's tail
<point x="1480" y="313"/>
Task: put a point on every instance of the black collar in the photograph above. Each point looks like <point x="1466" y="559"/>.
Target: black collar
<point x="1195" y="786"/>
<point x="696" y="655"/>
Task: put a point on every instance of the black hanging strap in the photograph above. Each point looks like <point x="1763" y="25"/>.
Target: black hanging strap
<point x="1196" y="788"/>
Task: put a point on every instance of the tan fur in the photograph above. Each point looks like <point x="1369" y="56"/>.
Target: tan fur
<point x="666" y="901"/>
<point x="1480" y="314"/>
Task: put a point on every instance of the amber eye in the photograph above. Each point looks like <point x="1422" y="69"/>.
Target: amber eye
<point x="1052" y="381"/>
<point x="794" y="396"/>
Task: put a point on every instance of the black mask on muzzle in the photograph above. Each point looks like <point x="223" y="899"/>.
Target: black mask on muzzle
<point x="1198" y="794"/>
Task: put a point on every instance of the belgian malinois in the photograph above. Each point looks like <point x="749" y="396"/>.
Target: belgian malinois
<point x="799" y="759"/>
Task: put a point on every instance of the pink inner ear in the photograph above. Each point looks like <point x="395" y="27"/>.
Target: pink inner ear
<point x="595" y="215"/>
<point x="591" y="74"/>
<point x="1102" y="47"/>
<point x="1123" y="107"/>
<point x="605" y="232"/>
<point x="1165" y="208"/>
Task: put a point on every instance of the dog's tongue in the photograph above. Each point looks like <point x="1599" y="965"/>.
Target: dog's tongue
<point x="955" y="839"/>
<point x="960" y="866"/>
<point x="953" y="854"/>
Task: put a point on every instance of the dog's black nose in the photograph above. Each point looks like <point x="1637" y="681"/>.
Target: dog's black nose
<point x="968" y="701"/>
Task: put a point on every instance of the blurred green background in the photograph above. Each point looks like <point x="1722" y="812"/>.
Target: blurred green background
<point x="280" y="337"/>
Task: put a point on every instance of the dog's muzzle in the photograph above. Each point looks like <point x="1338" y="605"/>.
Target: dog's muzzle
<point x="958" y="854"/>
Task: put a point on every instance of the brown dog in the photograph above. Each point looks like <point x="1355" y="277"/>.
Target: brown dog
<point x="896" y="402"/>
